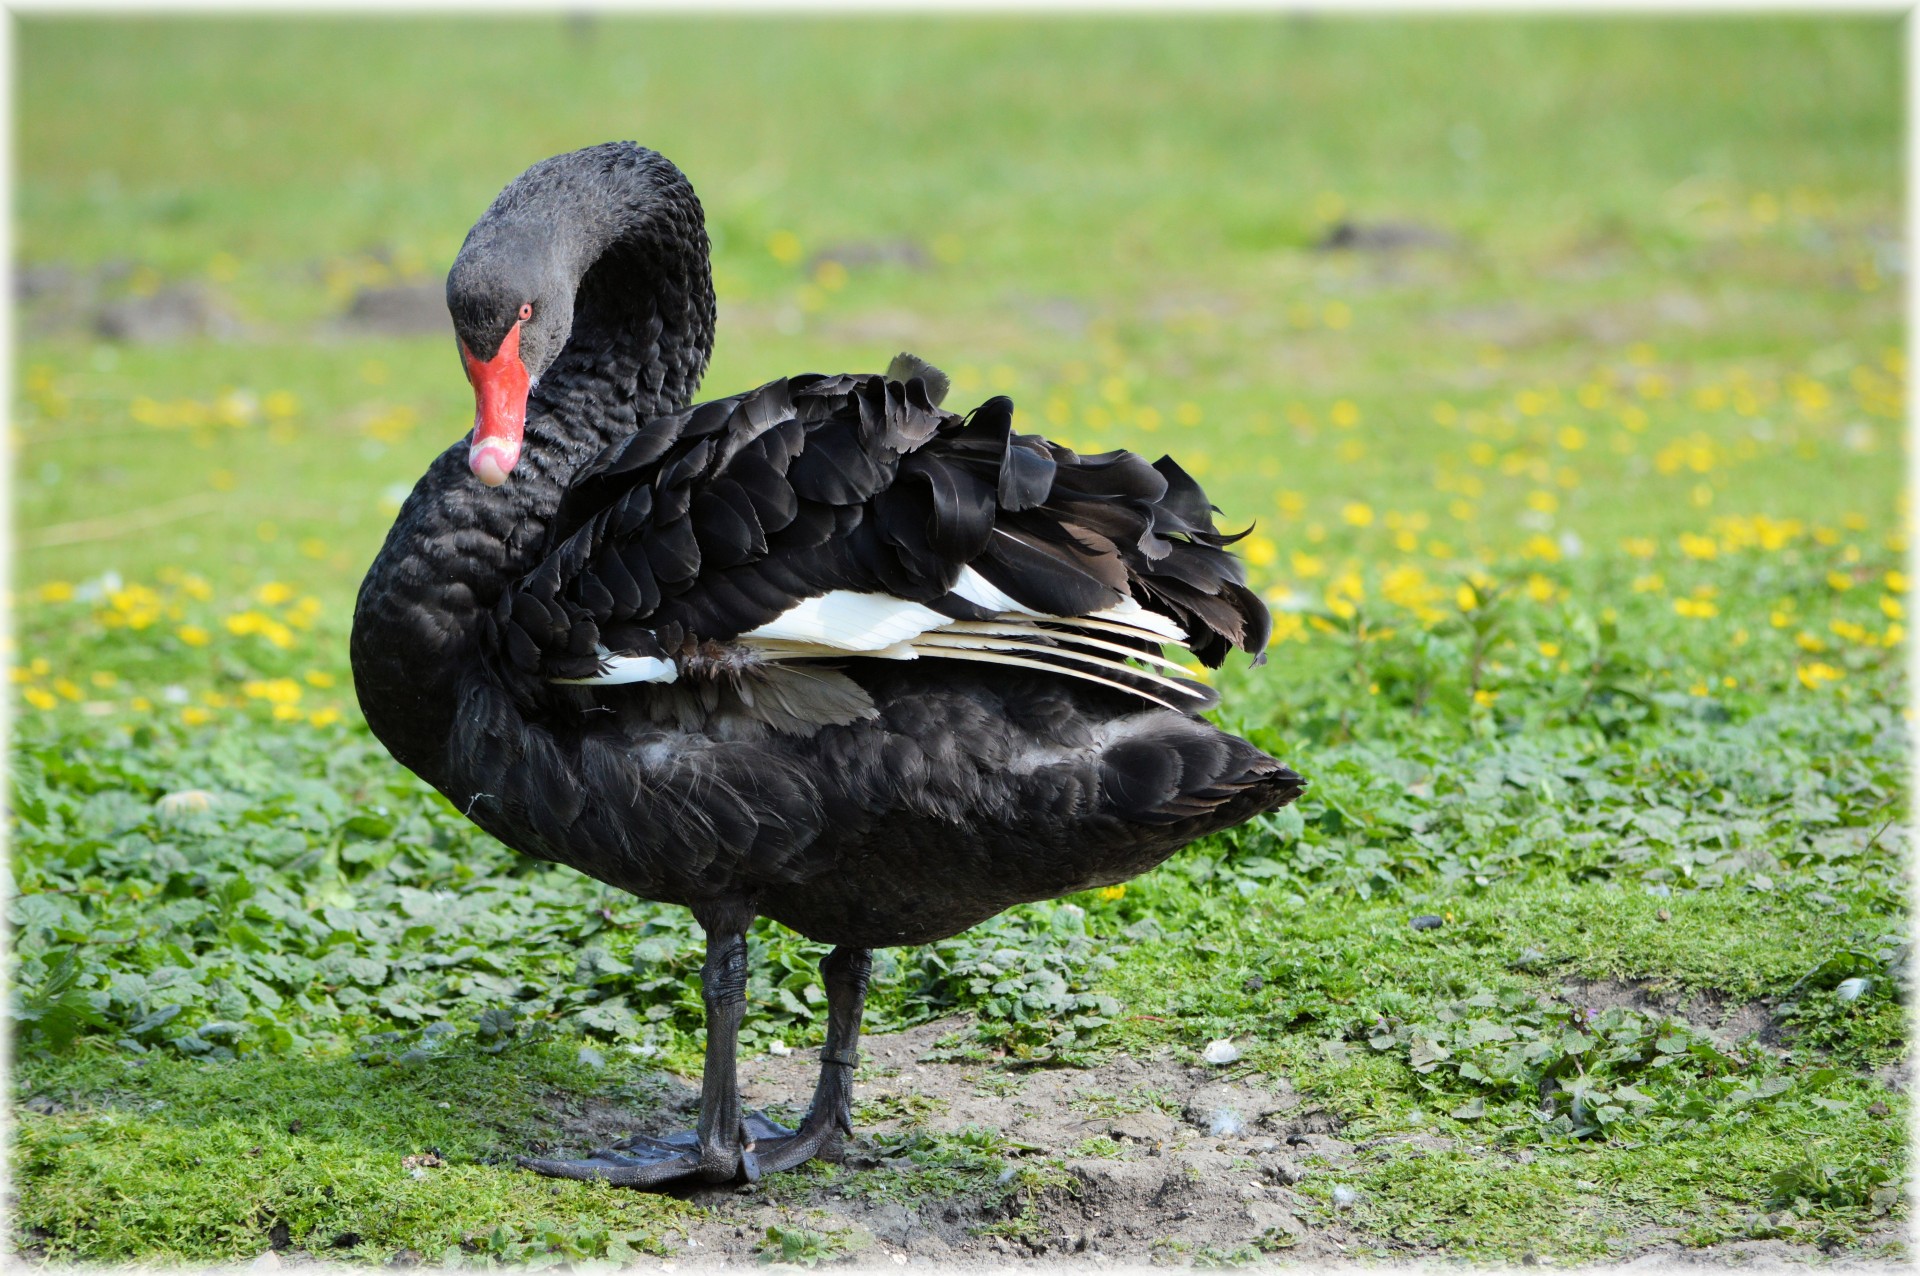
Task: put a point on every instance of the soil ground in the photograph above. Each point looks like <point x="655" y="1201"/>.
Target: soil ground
<point x="1188" y="1163"/>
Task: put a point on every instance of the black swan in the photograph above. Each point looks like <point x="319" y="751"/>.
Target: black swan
<point x="823" y="652"/>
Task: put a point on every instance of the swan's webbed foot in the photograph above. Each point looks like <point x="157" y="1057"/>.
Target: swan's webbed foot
<point x="828" y="1122"/>
<point x="731" y="1144"/>
<point x="646" y="1161"/>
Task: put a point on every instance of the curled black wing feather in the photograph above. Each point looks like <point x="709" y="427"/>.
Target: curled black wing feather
<point x="709" y="522"/>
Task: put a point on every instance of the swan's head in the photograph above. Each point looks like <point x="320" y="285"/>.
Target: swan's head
<point x="512" y="312"/>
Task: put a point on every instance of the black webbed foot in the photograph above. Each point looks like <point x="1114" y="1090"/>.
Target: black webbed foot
<point x="731" y="1144"/>
<point x="648" y="1161"/>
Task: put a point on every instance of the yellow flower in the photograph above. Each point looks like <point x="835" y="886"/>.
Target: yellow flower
<point x="1542" y="547"/>
<point x="1187" y="414"/>
<point x="1695" y="608"/>
<point x="38" y="698"/>
<point x="784" y="247"/>
<point x="275" y="592"/>
<point x="1652" y="583"/>
<point x="1540" y="589"/>
<point x="56" y="591"/>
<point x="1307" y="565"/>
<point x="1640" y="546"/>
<point x="1287" y="625"/>
<point x="1543" y="501"/>
<point x="1816" y="673"/>
<point x="1483" y="697"/>
<point x="319" y="678"/>
<point x="67" y="688"/>
<point x="1897" y="581"/>
<point x="277" y="691"/>
<point x="286" y="713"/>
<point x="1357" y="514"/>
<point x="1571" y="437"/>
<point x="830" y="275"/>
<point x="194" y="636"/>
<point x="1549" y="649"/>
<point x="1809" y="642"/>
<point x="193" y="715"/>
<point x="1465" y="599"/>
<point x="1111" y="893"/>
<point x="1345" y="413"/>
<point x="1694" y="545"/>
<point x="1839" y="581"/>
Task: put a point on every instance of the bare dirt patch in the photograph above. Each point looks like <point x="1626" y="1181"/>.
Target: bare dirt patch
<point x="1722" y="1018"/>
<point x="1159" y="1161"/>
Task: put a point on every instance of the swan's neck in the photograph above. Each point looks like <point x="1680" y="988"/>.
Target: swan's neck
<point x="629" y="229"/>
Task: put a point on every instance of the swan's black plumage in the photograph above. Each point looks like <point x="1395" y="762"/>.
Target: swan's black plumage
<point x="862" y="798"/>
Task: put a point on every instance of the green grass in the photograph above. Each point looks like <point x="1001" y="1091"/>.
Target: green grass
<point x="1586" y="534"/>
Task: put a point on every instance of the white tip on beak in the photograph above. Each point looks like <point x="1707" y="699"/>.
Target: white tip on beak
<point x="491" y="460"/>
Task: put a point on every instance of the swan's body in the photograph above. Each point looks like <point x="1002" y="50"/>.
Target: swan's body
<point x="822" y="652"/>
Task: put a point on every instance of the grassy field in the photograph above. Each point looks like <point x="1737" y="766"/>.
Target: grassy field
<point x="1576" y="461"/>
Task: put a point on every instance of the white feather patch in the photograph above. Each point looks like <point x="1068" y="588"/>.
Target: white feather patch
<point x="1129" y="612"/>
<point x="621" y="670"/>
<point x="981" y="592"/>
<point x="850" y="621"/>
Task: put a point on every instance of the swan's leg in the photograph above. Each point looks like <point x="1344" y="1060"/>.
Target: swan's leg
<point x="724" y="1144"/>
<point x="845" y="974"/>
<point x="726" y="1147"/>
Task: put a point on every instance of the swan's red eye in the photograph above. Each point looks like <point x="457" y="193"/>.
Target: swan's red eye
<point x="526" y="310"/>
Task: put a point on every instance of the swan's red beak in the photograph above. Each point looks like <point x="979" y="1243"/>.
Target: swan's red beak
<point x="499" y="409"/>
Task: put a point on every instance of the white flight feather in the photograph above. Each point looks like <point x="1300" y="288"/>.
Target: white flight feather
<point x="939" y="644"/>
<point x="1065" y="671"/>
<point x="1015" y="629"/>
<point x="621" y="670"/>
<point x="1128" y="611"/>
<point x="1111" y="627"/>
<point x="981" y="592"/>
<point x="850" y="621"/>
